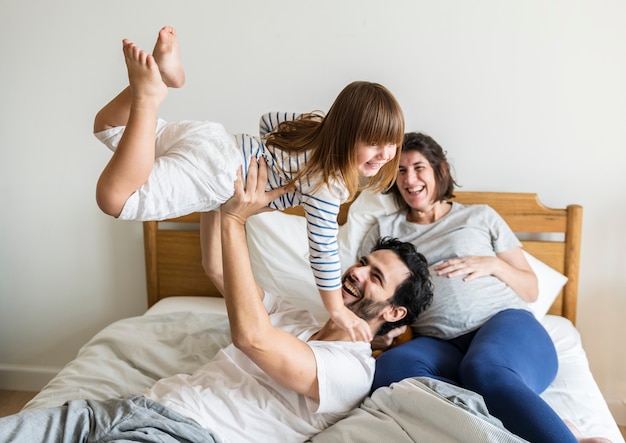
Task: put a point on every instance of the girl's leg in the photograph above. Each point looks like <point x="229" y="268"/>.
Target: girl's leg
<point x="132" y="161"/>
<point x="115" y="113"/>
<point x="510" y="361"/>
<point x="420" y="357"/>
<point x="166" y="54"/>
<point x="136" y="108"/>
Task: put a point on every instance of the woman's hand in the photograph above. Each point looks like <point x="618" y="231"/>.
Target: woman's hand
<point x="509" y="266"/>
<point x="384" y="342"/>
<point x="472" y="267"/>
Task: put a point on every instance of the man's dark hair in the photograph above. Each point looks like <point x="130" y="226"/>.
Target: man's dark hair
<point x="416" y="292"/>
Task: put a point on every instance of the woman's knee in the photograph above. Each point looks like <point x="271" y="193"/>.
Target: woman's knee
<point x="481" y="376"/>
<point x="405" y="361"/>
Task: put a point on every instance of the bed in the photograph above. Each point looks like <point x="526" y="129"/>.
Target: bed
<point x="186" y="322"/>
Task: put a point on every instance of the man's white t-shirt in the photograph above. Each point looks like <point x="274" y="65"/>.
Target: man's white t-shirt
<point x="234" y="398"/>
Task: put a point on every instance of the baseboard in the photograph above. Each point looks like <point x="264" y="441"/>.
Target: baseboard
<point x="25" y="377"/>
<point x="618" y="410"/>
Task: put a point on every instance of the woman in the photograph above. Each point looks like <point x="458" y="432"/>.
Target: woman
<point x="478" y="333"/>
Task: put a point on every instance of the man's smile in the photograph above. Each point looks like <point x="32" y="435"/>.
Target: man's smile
<point x="350" y="289"/>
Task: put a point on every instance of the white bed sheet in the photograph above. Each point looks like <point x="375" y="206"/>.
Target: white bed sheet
<point x="180" y="333"/>
<point x="574" y="394"/>
<point x="209" y="305"/>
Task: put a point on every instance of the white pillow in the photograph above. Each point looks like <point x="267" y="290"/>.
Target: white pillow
<point x="279" y="254"/>
<point x="550" y="284"/>
<point x="364" y="212"/>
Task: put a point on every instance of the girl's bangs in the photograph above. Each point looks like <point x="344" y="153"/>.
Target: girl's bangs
<point x="383" y="126"/>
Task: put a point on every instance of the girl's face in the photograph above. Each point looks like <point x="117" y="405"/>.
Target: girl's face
<point x="416" y="180"/>
<point x="371" y="157"/>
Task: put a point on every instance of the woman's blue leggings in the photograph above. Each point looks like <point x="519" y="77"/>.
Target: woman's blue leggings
<point x="509" y="360"/>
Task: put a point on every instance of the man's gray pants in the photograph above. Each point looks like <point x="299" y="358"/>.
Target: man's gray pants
<point x="136" y="419"/>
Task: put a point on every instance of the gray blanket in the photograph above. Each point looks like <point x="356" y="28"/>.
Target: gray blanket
<point x="419" y="410"/>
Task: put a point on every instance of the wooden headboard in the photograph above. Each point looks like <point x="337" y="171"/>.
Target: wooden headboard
<point x="173" y="257"/>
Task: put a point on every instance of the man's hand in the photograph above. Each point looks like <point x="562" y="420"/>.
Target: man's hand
<point x="253" y="199"/>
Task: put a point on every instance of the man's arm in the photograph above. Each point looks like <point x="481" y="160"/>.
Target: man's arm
<point x="282" y="356"/>
<point x="211" y="247"/>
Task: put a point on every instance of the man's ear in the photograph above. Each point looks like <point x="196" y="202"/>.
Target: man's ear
<point x="393" y="313"/>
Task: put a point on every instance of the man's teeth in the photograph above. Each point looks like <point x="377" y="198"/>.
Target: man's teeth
<point x="352" y="289"/>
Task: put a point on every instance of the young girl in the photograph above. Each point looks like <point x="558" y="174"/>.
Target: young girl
<point x="191" y="166"/>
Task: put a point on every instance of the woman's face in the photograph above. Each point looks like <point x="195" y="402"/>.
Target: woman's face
<point x="416" y="180"/>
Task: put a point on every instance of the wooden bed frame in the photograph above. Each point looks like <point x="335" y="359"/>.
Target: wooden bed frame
<point x="173" y="257"/>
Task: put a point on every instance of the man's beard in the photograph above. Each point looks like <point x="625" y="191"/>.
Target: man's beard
<point x="367" y="309"/>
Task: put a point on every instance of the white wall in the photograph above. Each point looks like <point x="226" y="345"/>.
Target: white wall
<point x="526" y="96"/>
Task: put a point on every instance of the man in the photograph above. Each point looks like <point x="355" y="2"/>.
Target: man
<point x="284" y="378"/>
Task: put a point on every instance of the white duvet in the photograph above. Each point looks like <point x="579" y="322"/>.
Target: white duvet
<point x="129" y="355"/>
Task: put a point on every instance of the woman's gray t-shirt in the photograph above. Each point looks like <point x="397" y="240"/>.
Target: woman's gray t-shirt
<point x="467" y="230"/>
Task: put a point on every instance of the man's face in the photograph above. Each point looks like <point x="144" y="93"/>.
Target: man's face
<point x="369" y="285"/>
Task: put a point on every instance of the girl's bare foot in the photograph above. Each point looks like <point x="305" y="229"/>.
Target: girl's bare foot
<point x="167" y="56"/>
<point x="146" y="84"/>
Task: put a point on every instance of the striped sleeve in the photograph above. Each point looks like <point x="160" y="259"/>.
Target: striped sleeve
<point x="321" y="212"/>
<point x="321" y="207"/>
<point x="250" y="147"/>
<point x="270" y="120"/>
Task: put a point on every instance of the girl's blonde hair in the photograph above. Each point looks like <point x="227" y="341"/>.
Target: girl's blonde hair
<point x="363" y="112"/>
